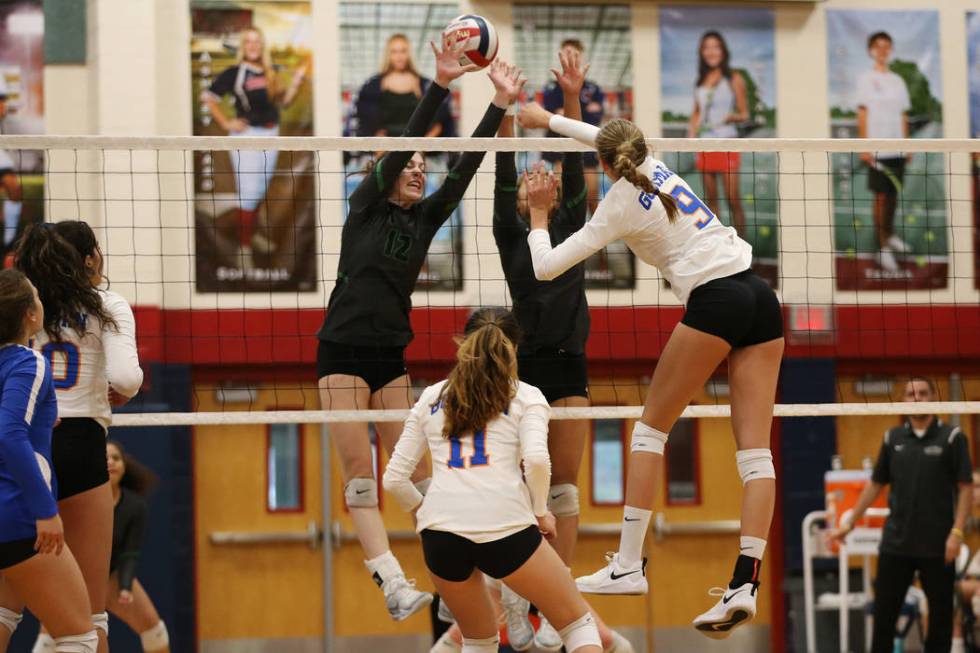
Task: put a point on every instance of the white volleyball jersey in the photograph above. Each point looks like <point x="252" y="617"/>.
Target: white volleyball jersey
<point x="84" y="365"/>
<point x="692" y="250"/>
<point x="478" y="489"/>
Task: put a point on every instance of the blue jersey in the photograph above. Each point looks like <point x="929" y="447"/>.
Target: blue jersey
<point x="28" y="410"/>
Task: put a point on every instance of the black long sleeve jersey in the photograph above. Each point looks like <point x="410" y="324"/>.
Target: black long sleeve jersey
<point x="552" y="314"/>
<point x="383" y="246"/>
<point x="128" y="524"/>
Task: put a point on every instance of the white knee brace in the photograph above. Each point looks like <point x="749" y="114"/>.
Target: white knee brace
<point x="155" y="638"/>
<point x="423" y="486"/>
<point x="754" y="464"/>
<point x="43" y="644"/>
<point x="361" y="493"/>
<point x="101" y="621"/>
<point x="9" y="619"/>
<point x="647" y="439"/>
<point x="581" y="632"/>
<point x="563" y="500"/>
<point x="488" y="645"/>
<point x="86" y="643"/>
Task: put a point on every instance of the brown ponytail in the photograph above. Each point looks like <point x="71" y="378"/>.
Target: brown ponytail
<point x="484" y="380"/>
<point x="621" y="146"/>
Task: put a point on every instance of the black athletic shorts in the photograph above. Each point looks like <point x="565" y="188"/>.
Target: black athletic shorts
<point x="453" y="557"/>
<point x="15" y="552"/>
<point x="878" y="181"/>
<point x="78" y="454"/>
<point x="378" y="366"/>
<point x="741" y="309"/>
<point x="555" y="372"/>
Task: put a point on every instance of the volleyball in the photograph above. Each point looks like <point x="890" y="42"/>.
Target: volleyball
<point x="477" y="36"/>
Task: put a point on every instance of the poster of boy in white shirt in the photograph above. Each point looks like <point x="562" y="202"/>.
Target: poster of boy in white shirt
<point x="883" y="105"/>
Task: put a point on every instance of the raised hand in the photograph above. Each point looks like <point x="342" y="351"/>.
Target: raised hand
<point x="542" y="188"/>
<point x="448" y="63"/>
<point x="507" y="81"/>
<point x="571" y="77"/>
<point x="534" y="116"/>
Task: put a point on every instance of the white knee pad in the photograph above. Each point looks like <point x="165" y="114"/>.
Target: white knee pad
<point x="754" y="464"/>
<point x="488" y="645"/>
<point x="563" y="500"/>
<point x="155" y="638"/>
<point x="581" y="632"/>
<point x="101" y="621"/>
<point x="9" y="619"/>
<point x="86" y="643"/>
<point x="361" y="493"/>
<point x="647" y="439"/>
<point x="43" y="644"/>
<point x="423" y="486"/>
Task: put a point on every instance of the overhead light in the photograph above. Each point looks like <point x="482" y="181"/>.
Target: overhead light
<point x="235" y="394"/>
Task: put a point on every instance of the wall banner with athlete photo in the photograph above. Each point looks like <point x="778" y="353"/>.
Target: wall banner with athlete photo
<point x="889" y="207"/>
<point x="21" y="112"/>
<point x="718" y="80"/>
<point x="602" y="36"/>
<point x="386" y="65"/>
<point x="973" y="53"/>
<point x="255" y="210"/>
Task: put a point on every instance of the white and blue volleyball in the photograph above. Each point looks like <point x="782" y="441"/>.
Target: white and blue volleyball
<point x="477" y="36"/>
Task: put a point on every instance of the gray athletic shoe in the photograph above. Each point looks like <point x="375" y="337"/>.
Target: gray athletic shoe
<point x="520" y="632"/>
<point x="402" y="599"/>
<point x="547" y="638"/>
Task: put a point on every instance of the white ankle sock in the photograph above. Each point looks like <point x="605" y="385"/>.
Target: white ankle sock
<point x="384" y="567"/>
<point x="636" y="521"/>
<point x="44" y="644"/>
<point x="754" y="547"/>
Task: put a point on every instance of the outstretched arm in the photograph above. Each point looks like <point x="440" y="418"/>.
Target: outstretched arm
<point x="571" y="79"/>
<point x="534" y="116"/>
<point x="379" y="182"/>
<point x="505" y="222"/>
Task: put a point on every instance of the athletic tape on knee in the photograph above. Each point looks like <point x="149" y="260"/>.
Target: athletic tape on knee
<point x="647" y="439"/>
<point x="581" y="632"/>
<point x="488" y="645"/>
<point x="423" y="486"/>
<point x="9" y="619"/>
<point x="155" y="638"/>
<point x="563" y="500"/>
<point x="754" y="464"/>
<point x="361" y="493"/>
<point x="86" y="643"/>
<point x="101" y="621"/>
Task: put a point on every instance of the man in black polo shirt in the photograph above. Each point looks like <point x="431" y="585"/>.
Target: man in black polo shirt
<point x="927" y="464"/>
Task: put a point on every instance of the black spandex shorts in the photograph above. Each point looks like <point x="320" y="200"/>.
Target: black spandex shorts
<point x="555" y="372"/>
<point x="78" y="454"/>
<point x="378" y="366"/>
<point x="878" y="181"/>
<point x="741" y="309"/>
<point x="453" y="557"/>
<point x="15" y="552"/>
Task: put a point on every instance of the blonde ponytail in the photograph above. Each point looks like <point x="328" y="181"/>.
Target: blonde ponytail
<point x="484" y="380"/>
<point x="621" y="146"/>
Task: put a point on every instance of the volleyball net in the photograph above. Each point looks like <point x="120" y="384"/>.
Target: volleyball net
<point x="228" y="250"/>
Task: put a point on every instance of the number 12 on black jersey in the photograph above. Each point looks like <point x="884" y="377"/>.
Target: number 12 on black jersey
<point x="479" y="457"/>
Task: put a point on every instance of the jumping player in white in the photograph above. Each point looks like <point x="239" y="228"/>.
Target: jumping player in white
<point x="730" y="313"/>
<point x="481" y="513"/>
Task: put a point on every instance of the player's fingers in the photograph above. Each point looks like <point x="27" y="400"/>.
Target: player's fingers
<point x="435" y="50"/>
<point x="585" y="69"/>
<point x="59" y="544"/>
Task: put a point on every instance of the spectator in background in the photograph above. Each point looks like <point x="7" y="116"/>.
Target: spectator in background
<point x="720" y="103"/>
<point x="883" y="105"/>
<point x="592" y="100"/>
<point x="927" y="464"/>
<point x="387" y="100"/>
<point x="9" y="180"/>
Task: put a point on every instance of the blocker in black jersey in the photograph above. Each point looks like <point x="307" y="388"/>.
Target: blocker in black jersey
<point x="128" y="524"/>
<point x="554" y="315"/>
<point x="250" y="87"/>
<point x="383" y="245"/>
